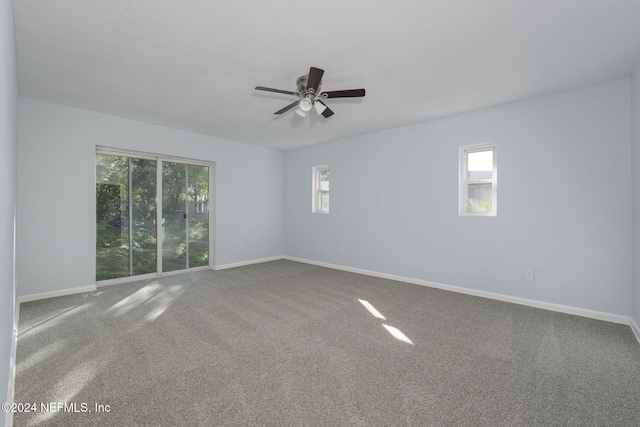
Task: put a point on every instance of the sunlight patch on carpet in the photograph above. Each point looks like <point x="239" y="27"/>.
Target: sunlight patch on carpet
<point x="135" y="299"/>
<point x="397" y="334"/>
<point x="41" y="355"/>
<point x="66" y="390"/>
<point x="54" y="320"/>
<point x="162" y="301"/>
<point x="372" y="309"/>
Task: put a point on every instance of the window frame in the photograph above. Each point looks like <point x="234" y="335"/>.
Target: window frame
<point x="317" y="192"/>
<point x="466" y="182"/>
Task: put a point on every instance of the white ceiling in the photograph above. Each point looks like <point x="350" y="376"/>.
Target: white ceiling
<point x="193" y="64"/>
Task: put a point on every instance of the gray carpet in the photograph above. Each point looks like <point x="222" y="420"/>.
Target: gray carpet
<point x="290" y="344"/>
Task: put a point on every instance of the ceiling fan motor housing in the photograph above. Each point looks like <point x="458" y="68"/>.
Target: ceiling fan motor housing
<point x="302" y="84"/>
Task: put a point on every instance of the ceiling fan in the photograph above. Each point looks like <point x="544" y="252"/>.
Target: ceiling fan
<point x="310" y="96"/>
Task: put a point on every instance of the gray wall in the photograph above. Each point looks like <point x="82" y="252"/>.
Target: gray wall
<point x="564" y="201"/>
<point x="8" y="150"/>
<point x="635" y="109"/>
<point x="56" y="191"/>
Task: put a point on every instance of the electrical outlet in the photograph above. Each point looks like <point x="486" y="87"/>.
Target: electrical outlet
<point x="343" y="249"/>
<point x="528" y="275"/>
<point x="242" y="246"/>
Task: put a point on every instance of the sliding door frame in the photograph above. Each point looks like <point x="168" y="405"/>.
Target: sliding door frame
<point x="210" y="206"/>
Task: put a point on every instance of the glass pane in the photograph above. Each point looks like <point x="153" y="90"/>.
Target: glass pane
<point x="480" y="165"/>
<point x="324" y="202"/>
<point x="143" y="216"/>
<point x="112" y="217"/>
<point x="174" y="216"/>
<point x="125" y="216"/>
<point x="480" y="198"/>
<point x="324" y="179"/>
<point x="198" y="215"/>
<point x="185" y="216"/>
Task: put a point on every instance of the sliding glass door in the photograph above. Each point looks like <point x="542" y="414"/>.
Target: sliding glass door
<point x="185" y="216"/>
<point x="141" y="198"/>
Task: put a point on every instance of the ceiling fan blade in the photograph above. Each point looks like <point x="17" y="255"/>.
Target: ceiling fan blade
<point x="349" y="93"/>
<point x="287" y="108"/>
<point x="315" y="76"/>
<point x="327" y="111"/>
<point x="268" y="89"/>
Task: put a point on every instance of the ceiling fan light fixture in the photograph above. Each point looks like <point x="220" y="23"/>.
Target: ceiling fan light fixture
<point x="306" y="104"/>
<point x="301" y="113"/>
<point x="320" y="107"/>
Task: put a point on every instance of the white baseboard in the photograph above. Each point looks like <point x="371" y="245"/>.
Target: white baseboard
<point x="91" y="288"/>
<point x="59" y="293"/>
<point x="635" y="329"/>
<point x="614" y="318"/>
<point x="249" y="262"/>
<point x="12" y="367"/>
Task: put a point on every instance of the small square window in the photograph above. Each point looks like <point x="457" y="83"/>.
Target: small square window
<point x="478" y="180"/>
<point x="320" y="201"/>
